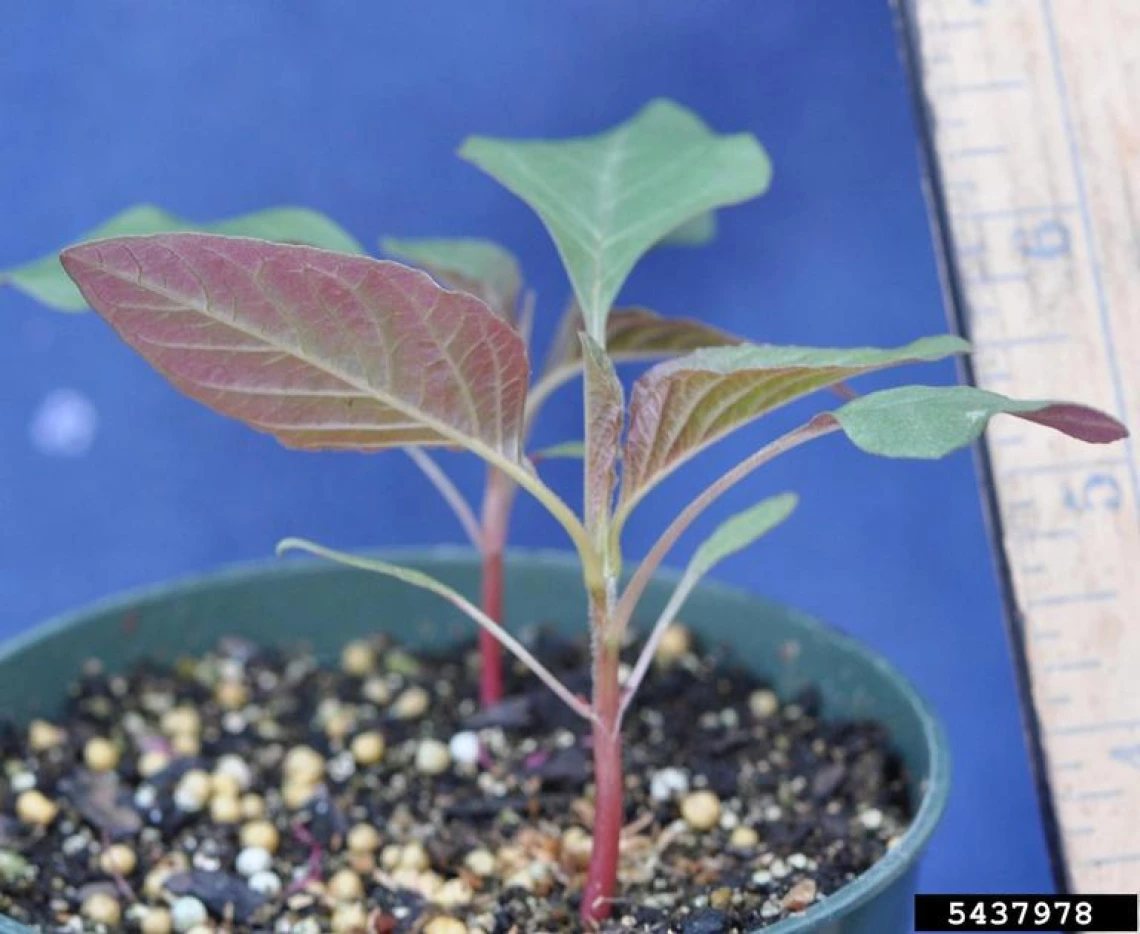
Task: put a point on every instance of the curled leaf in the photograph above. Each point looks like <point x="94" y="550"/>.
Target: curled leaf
<point x="45" y="280"/>
<point x="608" y="199"/>
<point x="605" y="416"/>
<point x="479" y="267"/>
<point x="699" y="231"/>
<point x="321" y="350"/>
<point x="681" y="406"/>
<point x="933" y="421"/>
<point x="632" y="335"/>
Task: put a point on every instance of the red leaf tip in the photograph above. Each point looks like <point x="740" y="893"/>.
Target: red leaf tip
<point x="1079" y="421"/>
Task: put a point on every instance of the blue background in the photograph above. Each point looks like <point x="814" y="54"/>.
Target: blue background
<point x="211" y="109"/>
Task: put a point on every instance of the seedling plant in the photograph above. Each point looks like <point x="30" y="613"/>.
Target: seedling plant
<point x="328" y="350"/>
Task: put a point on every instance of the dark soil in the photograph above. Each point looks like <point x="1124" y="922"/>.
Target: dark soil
<point x="806" y="804"/>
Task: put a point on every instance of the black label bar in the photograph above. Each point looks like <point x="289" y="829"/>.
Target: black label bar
<point x="1025" y="913"/>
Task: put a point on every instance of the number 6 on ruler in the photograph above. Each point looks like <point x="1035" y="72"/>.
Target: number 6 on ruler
<point x="1046" y="240"/>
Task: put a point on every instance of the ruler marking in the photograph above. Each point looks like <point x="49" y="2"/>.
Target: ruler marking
<point x="982" y="87"/>
<point x="952" y="25"/>
<point x="1027" y="121"/>
<point x="1008" y="343"/>
<point x="1044" y="534"/>
<point x="1067" y="599"/>
<point x="1095" y="258"/>
<point x="1106" y="726"/>
<point x="1007" y="213"/>
<point x="976" y="152"/>
<point x="1104" y="794"/>
<point x="1098" y="861"/>
<point x="1062" y="467"/>
<point x="1003" y="278"/>
<point x="1079" y="664"/>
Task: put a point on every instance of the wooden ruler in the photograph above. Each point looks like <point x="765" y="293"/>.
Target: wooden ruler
<point x="1032" y="123"/>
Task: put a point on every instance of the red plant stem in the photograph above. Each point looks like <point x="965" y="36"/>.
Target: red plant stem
<point x="601" y="882"/>
<point x="490" y="652"/>
<point x="498" y="498"/>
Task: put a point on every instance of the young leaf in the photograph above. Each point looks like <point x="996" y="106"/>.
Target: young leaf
<point x="632" y="335"/>
<point x="700" y="231"/>
<point x="680" y="407"/>
<point x="479" y="267"/>
<point x="933" y="421"/>
<point x="635" y="334"/>
<point x="45" y="280"/>
<point x="742" y="530"/>
<point x="608" y="199"/>
<point x="605" y="414"/>
<point x="322" y="350"/>
<point x="730" y="537"/>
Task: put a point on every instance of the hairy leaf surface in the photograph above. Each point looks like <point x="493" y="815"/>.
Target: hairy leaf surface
<point x="608" y="199"/>
<point x="480" y="267"/>
<point x="632" y="335"/>
<point x="932" y="421"/>
<point x="45" y="280"/>
<point x="605" y="408"/>
<point x="680" y="407"/>
<point x="322" y="350"/>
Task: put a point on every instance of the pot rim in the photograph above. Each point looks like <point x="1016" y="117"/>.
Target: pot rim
<point x="894" y="863"/>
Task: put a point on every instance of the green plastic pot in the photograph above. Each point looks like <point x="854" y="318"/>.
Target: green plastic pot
<point x="326" y="605"/>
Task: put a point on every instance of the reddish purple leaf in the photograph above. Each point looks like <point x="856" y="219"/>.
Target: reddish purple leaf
<point x="605" y="403"/>
<point x="320" y="349"/>
<point x="1078" y="421"/>
<point x="682" y="406"/>
<point x="632" y="335"/>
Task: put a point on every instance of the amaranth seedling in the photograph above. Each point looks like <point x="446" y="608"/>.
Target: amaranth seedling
<point x="330" y="351"/>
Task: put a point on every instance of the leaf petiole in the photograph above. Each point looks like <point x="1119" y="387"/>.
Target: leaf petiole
<point x="450" y="493"/>
<point x="816" y="428"/>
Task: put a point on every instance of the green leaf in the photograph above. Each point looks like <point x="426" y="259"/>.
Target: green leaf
<point x="742" y="530"/>
<point x="45" y="280"/>
<point x="323" y="350"/>
<point x="700" y="231"/>
<point x="608" y="199"/>
<point x="479" y="267"/>
<point x="933" y="421"/>
<point x="605" y="416"/>
<point x="682" y="406"/>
